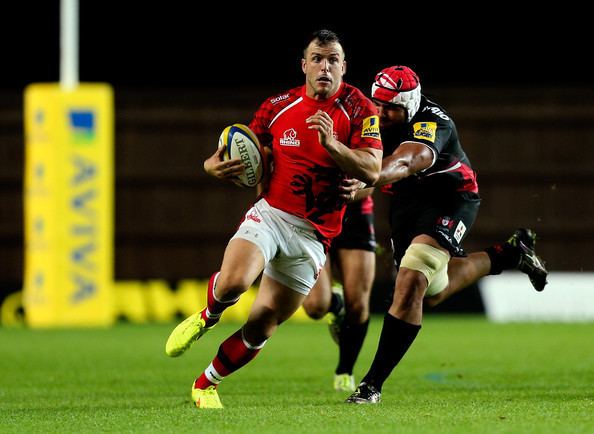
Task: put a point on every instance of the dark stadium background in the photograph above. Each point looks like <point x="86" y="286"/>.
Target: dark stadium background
<point x="182" y="43"/>
<point x="519" y="85"/>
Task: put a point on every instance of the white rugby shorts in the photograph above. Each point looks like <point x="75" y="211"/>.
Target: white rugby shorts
<point x="293" y="255"/>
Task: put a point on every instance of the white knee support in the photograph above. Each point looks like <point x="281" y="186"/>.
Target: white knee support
<point x="432" y="262"/>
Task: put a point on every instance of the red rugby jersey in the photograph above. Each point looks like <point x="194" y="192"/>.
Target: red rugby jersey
<point x="305" y="179"/>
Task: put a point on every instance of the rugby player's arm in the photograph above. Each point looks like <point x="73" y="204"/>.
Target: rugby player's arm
<point x="363" y="164"/>
<point x="408" y="158"/>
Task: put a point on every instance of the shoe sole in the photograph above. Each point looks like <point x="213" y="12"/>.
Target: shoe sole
<point x="361" y="402"/>
<point x="533" y="266"/>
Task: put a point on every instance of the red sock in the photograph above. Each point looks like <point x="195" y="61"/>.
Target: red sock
<point x="214" y="307"/>
<point x="234" y="353"/>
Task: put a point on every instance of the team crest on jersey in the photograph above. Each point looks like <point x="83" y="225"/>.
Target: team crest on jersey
<point x="290" y="138"/>
<point x="445" y="221"/>
<point x="425" y="131"/>
<point x="460" y="231"/>
<point x="371" y="127"/>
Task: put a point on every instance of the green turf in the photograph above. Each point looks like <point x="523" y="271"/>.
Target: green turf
<point x="463" y="375"/>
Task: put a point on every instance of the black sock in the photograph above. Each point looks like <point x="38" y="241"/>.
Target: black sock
<point x="395" y="340"/>
<point x="336" y="303"/>
<point x="503" y="257"/>
<point x="351" y="341"/>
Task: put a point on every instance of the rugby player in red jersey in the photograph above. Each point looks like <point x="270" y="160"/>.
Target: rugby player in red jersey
<point x="321" y="136"/>
<point x="433" y="204"/>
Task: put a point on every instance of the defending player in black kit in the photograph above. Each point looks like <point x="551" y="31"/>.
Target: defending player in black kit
<point x="434" y="202"/>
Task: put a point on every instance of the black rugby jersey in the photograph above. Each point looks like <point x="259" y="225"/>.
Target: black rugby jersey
<point x="451" y="169"/>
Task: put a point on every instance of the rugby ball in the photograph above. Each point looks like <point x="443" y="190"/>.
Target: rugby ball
<point x="240" y="142"/>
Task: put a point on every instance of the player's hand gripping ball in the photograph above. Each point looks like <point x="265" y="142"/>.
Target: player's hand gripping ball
<point x="240" y="142"/>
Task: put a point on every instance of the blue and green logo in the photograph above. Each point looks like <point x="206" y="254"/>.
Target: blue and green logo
<point x="82" y="126"/>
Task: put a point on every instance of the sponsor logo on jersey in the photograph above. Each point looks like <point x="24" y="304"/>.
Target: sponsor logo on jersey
<point x="445" y="235"/>
<point x="436" y="111"/>
<point x="425" y="131"/>
<point x="460" y="231"/>
<point x="371" y="127"/>
<point x="279" y="98"/>
<point x="290" y="138"/>
<point x="253" y="215"/>
<point x="446" y="222"/>
<point x="317" y="273"/>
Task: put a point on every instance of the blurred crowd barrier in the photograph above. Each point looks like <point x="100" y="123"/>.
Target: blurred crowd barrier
<point x="567" y="298"/>
<point x="532" y="147"/>
<point x="140" y="302"/>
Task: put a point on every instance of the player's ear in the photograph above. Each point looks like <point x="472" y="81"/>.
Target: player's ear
<point x="303" y="65"/>
<point x="344" y="67"/>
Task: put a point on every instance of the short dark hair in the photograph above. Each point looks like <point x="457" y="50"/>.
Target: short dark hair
<point x="324" y="37"/>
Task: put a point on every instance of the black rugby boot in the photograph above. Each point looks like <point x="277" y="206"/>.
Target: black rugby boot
<point x="365" y="394"/>
<point x="530" y="264"/>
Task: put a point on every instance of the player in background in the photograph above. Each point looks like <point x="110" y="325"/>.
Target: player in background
<point x="434" y="202"/>
<point x="320" y="134"/>
<point x="353" y="256"/>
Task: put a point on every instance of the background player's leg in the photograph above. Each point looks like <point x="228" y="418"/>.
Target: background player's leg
<point x="358" y="272"/>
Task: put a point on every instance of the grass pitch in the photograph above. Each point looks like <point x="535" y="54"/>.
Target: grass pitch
<point x="462" y="375"/>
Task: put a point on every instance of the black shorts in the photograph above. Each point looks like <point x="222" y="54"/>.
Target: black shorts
<point x="446" y="217"/>
<point x="358" y="231"/>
